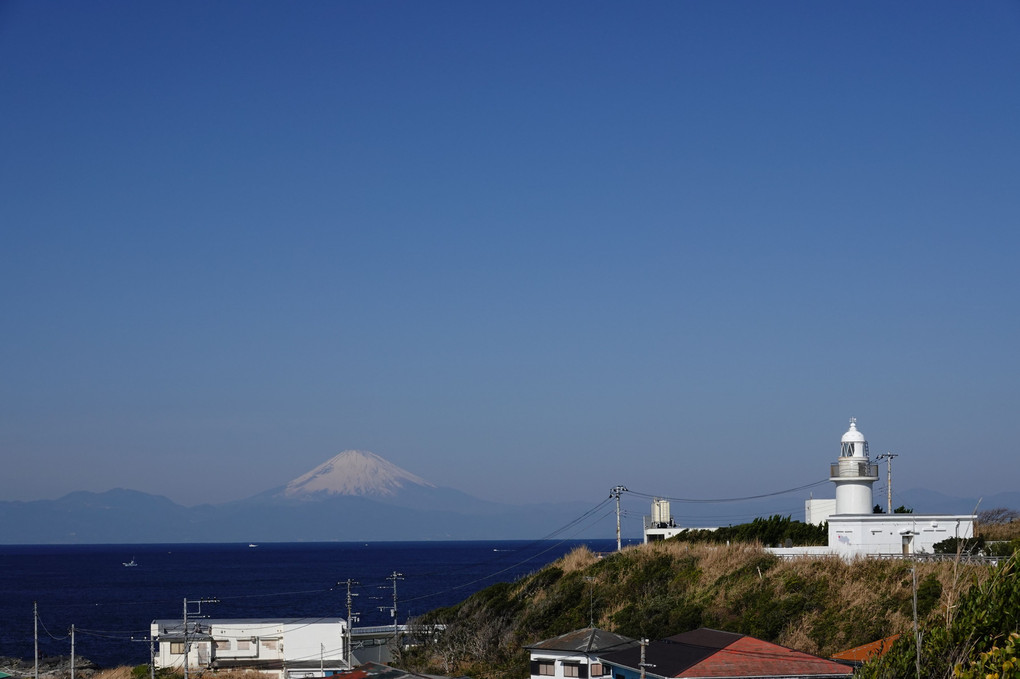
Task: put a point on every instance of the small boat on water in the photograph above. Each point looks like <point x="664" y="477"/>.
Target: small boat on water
<point x="131" y="563"/>
<point x="252" y="545"/>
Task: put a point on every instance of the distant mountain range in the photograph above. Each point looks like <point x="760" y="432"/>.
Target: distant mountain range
<point x="359" y="496"/>
<point x="355" y="496"/>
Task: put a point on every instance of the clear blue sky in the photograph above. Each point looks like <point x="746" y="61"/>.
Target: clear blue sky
<point x="525" y="249"/>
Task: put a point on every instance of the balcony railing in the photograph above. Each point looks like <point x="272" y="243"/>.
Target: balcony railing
<point x="860" y="469"/>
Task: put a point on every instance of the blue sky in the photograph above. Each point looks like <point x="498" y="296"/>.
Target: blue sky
<point x="527" y="250"/>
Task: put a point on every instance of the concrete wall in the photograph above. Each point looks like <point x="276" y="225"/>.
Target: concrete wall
<point x="895" y="533"/>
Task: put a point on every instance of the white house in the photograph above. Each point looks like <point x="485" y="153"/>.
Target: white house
<point x="575" y="654"/>
<point x="285" y="648"/>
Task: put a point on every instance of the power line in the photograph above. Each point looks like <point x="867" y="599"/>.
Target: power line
<point x="729" y="499"/>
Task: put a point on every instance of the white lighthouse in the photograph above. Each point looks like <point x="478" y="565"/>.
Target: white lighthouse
<point x="853" y="474"/>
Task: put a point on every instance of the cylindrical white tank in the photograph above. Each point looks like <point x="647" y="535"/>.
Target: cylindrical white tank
<point x="660" y="512"/>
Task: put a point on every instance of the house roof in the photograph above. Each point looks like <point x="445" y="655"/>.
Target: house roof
<point x="712" y="653"/>
<point x="589" y="640"/>
<point x="201" y="628"/>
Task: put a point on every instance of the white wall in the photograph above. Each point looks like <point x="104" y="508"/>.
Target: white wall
<point x="818" y="511"/>
<point x="895" y="533"/>
<point x="255" y="640"/>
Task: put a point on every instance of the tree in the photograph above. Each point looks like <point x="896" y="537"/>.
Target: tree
<point x="997" y="516"/>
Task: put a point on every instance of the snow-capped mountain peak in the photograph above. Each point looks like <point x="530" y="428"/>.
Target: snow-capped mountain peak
<point x="353" y="472"/>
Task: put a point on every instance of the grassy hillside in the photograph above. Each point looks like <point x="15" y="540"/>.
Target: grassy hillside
<point x="820" y="606"/>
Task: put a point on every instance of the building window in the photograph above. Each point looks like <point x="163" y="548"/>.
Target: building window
<point x="176" y="648"/>
<point x="223" y="644"/>
<point x="575" y="669"/>
<point x="243" y="644"/>
<point x="269" y="644"/>
<point x="543" y="668"/>
<point x="595" y="669"/>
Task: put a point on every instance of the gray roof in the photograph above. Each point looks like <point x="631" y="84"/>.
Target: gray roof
<point x="589" y="640"/>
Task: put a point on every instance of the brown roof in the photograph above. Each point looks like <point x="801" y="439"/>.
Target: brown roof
<point x="590" y="640"/>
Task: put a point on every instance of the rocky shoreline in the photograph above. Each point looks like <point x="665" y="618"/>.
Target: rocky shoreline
<point x="57" y="667"/>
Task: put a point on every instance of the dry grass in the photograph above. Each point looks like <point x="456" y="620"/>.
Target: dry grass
<point x="578" y="559"/>
<point x="122" y="672"/>
<point x="999" y="531"/>
<point x="866" y="589"/>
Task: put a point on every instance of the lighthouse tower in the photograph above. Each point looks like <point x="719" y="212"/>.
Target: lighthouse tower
<point x="853" y="474"/>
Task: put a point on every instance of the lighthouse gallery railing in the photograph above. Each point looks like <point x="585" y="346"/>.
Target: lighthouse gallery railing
<point x="860" y="469"/>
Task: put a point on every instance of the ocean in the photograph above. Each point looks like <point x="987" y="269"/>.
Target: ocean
<point x="111" y="605"/>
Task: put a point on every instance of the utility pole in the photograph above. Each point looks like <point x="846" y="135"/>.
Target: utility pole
<point x="917" y="634"/>
<point x="591" y="600"/>
<point x="352" y="618"/>
<point x="643" y="664"/>
<point x="185" y="637"/>
<point x="393" y="611"/>
<point x="198" y="613"/>
<point x="35" y="634"/>
<point x="152" y="654"/>
<point x="888" y="485"/>
<point x="72" y="651"/>
<point x="615" y="492"/>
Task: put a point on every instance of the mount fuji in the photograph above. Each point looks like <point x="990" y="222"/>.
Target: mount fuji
<point x="354" y="472"/>
<point x="354" y="496"/>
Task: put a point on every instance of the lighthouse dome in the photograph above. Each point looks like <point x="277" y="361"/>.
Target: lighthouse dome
<point x="853" y="443"/>
<point x="852" y="435"/>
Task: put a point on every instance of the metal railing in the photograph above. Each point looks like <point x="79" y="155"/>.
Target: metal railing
<point x="895" y="556"/>
<point x="861" y="469"/>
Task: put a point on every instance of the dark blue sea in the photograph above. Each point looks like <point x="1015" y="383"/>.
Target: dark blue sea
<point x="111" y="606"/>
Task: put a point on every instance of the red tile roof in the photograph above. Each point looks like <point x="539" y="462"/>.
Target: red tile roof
<point x="713" y="653"/>
<point x="867" y="651"/>
<point x="750" y="657"/>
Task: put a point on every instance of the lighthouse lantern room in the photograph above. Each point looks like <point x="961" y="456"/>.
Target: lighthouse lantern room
<point x="853" y="474"/>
